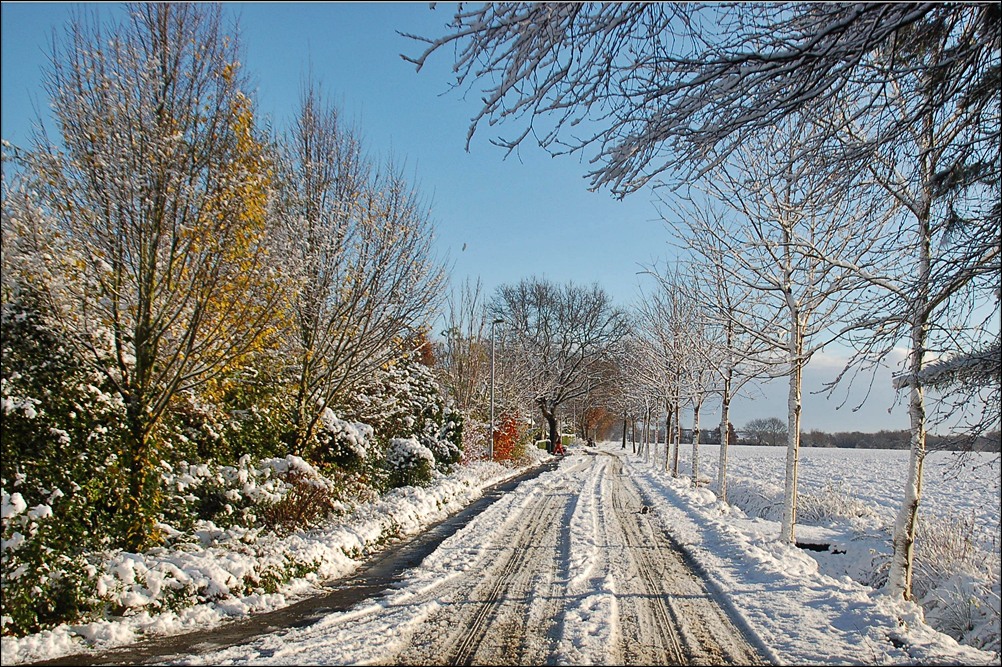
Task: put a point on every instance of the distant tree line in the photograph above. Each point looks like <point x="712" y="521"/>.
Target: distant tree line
<point x="763" y="432"/>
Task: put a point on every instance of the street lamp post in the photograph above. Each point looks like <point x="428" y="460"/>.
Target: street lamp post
<point x="493" y="325"/>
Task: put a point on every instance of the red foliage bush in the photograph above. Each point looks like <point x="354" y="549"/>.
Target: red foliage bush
<point x="507" y="439"/>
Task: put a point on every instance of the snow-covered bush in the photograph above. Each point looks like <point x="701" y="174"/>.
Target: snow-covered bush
<point x="286" y="492"/>
<point x="42" y="584"/>
<point x="834" y="502"/>
<point x="241" y="412"/>
<point x="350" y="445"/>
<point x="59" y="427"/>
<point x="409" y="462"/>
<point x="966" y="607"/>
<point x="60" y="469"/>
<point x="405" y="400"/>
<point x="957" y="581"/>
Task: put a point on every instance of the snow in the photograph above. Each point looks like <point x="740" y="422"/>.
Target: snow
<point x="354" y="435"/>
<point x="802" y="607"/>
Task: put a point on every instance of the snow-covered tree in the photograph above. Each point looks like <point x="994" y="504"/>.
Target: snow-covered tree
<point x="755" y="245"/>
<point x="932" y="278"/>
<point x="405" y="400"/>
<point x="463" y="354"/>
<point x="656" y="88"/>
<point x="662" y="317"/>
<point x="360" y="259"/>
<point x="735" y="357"/>
<point x="705" y="293"/>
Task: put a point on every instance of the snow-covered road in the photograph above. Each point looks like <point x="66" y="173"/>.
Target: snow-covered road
<point x="570" y="568"/>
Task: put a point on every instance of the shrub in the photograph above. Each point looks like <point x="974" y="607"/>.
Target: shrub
<point x="404" y="400"/>
<point x="957" y="580"/>
<point x="222" y="424"/>
<point x="60" y="429"/>
<point x="305" y="502"/>
<point x="409" y="462"/>
<point x="278" y="492"/>
<point x="42" y="585"/>
<point x="474" y="438"/>
<point x="349" y="445"/>
<point x="510" y="442"/>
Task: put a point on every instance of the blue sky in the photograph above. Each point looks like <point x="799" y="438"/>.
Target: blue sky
<point x="517" y="216"/>
<point x="529" y="214"/>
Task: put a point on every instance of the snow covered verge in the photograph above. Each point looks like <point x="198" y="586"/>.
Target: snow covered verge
<point x="215" y="574"/>
<point x="826" y="607"/>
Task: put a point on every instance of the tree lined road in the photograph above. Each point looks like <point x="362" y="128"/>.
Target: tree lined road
<point x="567" y="569"/>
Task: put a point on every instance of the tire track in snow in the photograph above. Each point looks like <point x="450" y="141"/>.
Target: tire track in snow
<point x="506" y="615"/>
<point x="649" y="623"/>
<point x="589" y="626"/>
<point x="564" y="570"/>
<point x="693" y="624"/>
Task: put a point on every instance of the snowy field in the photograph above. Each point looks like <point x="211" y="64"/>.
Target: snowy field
<point x="954" y="488"/>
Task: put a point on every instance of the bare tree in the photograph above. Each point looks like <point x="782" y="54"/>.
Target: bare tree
<point x="149" y="218"/>
<point x="801" y="296"/>
<point x="560" y="337"/>
<point x="662" y="319"/>
<point x="700" y="371"/>
<point x="932" y="278"/>
<point x="464" y="354"/>
<point x="674" y="86"/>
<point x="767" y="430"/>
<point x="736" y="355"/>
<point x="464" y="366"/>
<point x="707" y="293"/>
<point x="363" y="271"/>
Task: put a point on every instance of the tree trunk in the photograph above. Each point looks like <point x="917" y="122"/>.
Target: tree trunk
<point x="677" y="436"/>
<point x="668" y="437"/>
<point x="647" y="435"/>
<point x="625" y="421"/>
<point x="695" y="440"/>
<point x="792" y="449"/>
<point x="550" y="415"/>
<point x="141" y="503"/>
<point x="725" y="405"/>
<point x="899" y="577"/>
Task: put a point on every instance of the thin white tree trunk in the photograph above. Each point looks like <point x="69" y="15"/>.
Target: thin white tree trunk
<point x="695" y="440"/>
<point x="677" y="436"/>
<point x="655" y="455"/>
<point x="899" y="577"/>
<point x="668" y="413"/>
<point x="647" y="436"/>
<point x="792" y="444"/>
<point x="725" y="405"/>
